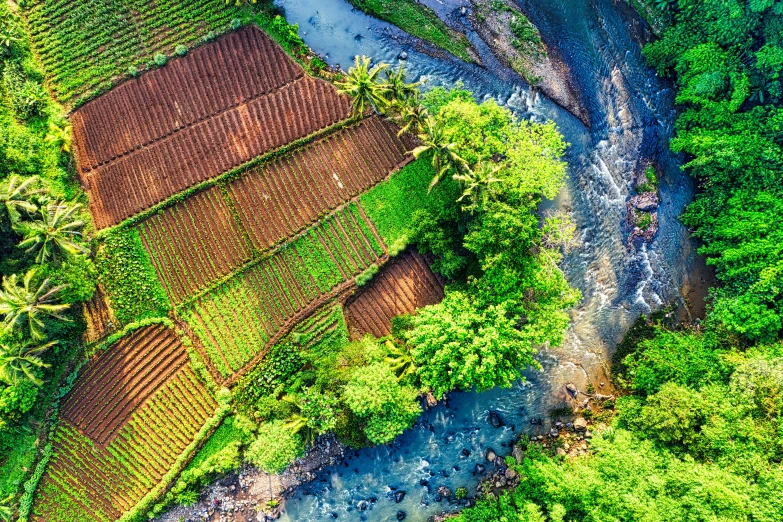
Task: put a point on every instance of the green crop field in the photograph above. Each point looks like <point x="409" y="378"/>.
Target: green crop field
<point x="85" y="46"/>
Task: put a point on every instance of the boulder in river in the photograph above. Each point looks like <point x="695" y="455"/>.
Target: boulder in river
<point x="495" y="419"/>
<point x="479" y="469"/>
<point x="444" y="492"/>
<point x="401" y="515"/>
<point x="491" y="455"/>
<point x="398" y="496"/>
<point x="362" y="505"/>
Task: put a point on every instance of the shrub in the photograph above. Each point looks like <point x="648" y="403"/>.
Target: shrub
<point x="387" y="407"/>
<point x="181" y="50"/>
<point x="366" y="276"/>
<point x="160" y="59"/>
<point x="275" y="447"/>
<point x="235" y="24"/>
<point x="133" y="71"/>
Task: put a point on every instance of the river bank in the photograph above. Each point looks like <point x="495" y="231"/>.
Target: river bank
<point x="631" y="114"/>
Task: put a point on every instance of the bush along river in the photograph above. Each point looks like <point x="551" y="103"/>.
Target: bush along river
<point x="631" y="255"/>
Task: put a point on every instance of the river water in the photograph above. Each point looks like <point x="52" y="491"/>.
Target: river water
<point x="631" y="115"/>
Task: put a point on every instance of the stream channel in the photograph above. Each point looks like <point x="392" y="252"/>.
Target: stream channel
<point x="631" y="113"/>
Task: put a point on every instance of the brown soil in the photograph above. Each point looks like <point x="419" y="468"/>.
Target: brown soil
<point x="98" y="316"/>
<point x="197" y="117"/>
<point x="194" y="243"/>
<point x="122" y="378"/>
<point x="109" y="480"/>
<point x="278" y="199"/>
<point x="405" y="284"/>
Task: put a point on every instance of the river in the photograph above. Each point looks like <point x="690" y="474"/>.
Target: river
<point x="631" y="113"/>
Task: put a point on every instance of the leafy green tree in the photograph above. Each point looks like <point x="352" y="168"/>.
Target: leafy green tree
<point x="398" y="89"/>
<point x="60" y="135"/>
<point x="411" y="115"/>
<point x="365" y="86"/>
<point x="19" y="361"/>
<point x="462" y="344"/>
<point x="479" y="183"/>
<point x="25" y="303"/>
<point x="274" y="448"/>
<point x="387" y="407"/>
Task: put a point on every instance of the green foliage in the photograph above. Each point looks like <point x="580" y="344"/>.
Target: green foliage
<point x="460" y="344"/>
<point x="629" y="479"/>
<point x="388" y="407"/>
<point x="275" y="447"/>
<point x="418" y="20"/>
<point x="365" y="86"/>
<point x="160" y="59"/>
<point x="725" y="56"/>
<point x="366" y="276"/>
<point x="688" y="359"/>
<point x="129" y="278"/>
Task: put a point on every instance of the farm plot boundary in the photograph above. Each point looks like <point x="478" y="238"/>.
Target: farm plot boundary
<point x="130" y="158"/>
<point x="270" y="204"/>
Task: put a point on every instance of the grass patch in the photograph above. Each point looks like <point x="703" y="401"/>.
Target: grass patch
<point x="417" y="20"/>
<point x="127" y="274"/>
<point x="390" y="204"/>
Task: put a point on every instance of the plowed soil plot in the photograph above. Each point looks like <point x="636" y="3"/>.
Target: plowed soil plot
<point x="85" y="482"/>
<point x="278" y="199"/>
<point x="195" y="118"/>
<point x="122" y="378"/>
<point x="401" y="287"/>
<point x="194" y="243"/>
<point x="98" y="316"/>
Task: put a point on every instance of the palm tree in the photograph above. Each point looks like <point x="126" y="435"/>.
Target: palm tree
<point x="364" y="86"/>
<point x="53" y="234"/>
<point x="396" y="88"/>
<point x="400" y="360"/>
<point x="411" y="115"/>
<point x="14" y="195"/>
<point x="444" y="157"/>
<point x="6" y="512"/>
<point x="19" y="361"/>
<point x="477" y="183"/>
<point x="29" y="304"/>
<point x="59" y="136"/>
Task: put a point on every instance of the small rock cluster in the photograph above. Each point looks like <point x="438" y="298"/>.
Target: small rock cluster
<point x="644" y="204"/>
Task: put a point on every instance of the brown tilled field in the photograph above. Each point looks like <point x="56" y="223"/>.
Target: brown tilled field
<point x="405" y="284"/>
<point x="119" y="380"/>
<point x="194" y="243"/>
<point x="193" y="119"/>
<point x="280" y="198"/>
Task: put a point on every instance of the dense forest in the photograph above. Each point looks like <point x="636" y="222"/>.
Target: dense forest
<point x="696" y="435"/>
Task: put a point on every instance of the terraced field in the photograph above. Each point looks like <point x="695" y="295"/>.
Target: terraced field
<point x="84" y="45"/>
<point x="201" y="115"/>
<point x="402" y="286"/>
<point x="132" y="413"/>
<point x="194" y="243"/>
<point x="237" y="320"/>
<point x="245" y="257"/>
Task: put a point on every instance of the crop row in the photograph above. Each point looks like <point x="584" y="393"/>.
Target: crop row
<point x="120" y="379"/>
<point x="146" y="176"/>
<point x="84" y="44"/>
<point x="404" y="285"/>
<point x="212" y="79"/>
<point x="194" y="243"/>
<point x="235" y="320"/>
<point x="87" y="482"/>
<point x="278" y="199"/>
